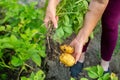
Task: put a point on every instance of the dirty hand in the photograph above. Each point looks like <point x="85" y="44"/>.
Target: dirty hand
<point x="51" y="13"/>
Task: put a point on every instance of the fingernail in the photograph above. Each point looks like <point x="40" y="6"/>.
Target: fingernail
<point x="56" y="26"/>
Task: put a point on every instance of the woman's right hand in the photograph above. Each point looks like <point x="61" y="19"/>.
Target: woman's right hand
<point x="51" y="13"/>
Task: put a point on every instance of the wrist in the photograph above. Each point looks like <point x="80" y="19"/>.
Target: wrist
<point x="82" y="36"/>
<point x="53" y="3"/>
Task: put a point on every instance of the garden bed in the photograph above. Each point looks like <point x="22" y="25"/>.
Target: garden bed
<point x="29" y="51"/>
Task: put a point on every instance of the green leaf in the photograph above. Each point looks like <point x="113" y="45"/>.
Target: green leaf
<point x="13" y="38"/>
<point x="87" y="68"/>
<point x="66" y="19"/>
<point x="34" y="31"/>
<point x="24" y="36"/>
<point x="43" y="29"/>
<point x="83" y="79"/>
<point x="100" y="70"/>
<point x="8" y="28"/>
<point x="100" y="78"/>
<point x="68" y="29"/>
<point x="7" y="45"/>
<point x="42" y="53"/>
<point x="24" y="78"/>
<point x="32" y="76"/>
<point x="106" y="76"/>
<point x="24" y="55"/>
<point x="39" y="75"/>
<point x="4" y="40"/>
<point x="92" y="35"/>
<point x="93" y="74"/>
<point x="85" y="4"/>
<point x="59" y="32"/>
<point x="92" y="68"/>
<point x="16" y="61"/>
<point x="80" y="19"/>
<point x="2" y="28"/>
<point x="28" y="32"/>
<point x="1" y="53"/>
<point x="37" y="59"/>
<point x="72" y="78"/>
<point x="58" y="35"/>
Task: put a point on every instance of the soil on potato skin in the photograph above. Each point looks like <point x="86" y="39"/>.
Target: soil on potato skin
<point x="57" y="71"/>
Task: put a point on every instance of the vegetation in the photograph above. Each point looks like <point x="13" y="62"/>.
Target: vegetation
<point x="22" y="35"/>
<point x="97" y="73"/>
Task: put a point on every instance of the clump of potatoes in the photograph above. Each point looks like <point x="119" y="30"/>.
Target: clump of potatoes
<point x="66" y="57"/>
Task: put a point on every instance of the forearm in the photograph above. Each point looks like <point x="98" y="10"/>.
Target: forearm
<point x="96" y="9"/>
<point x="53" y="3"/>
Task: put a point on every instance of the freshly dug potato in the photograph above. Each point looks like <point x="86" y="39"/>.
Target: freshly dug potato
<point x="67" y="59"/>
<point x="67" y="49"/>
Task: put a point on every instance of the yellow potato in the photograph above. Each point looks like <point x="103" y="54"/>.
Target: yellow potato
<point x="67" y="49"/>
<point x="67" y="59"/>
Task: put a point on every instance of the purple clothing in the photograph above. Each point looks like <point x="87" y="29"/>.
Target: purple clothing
<point x="110" y="20"/>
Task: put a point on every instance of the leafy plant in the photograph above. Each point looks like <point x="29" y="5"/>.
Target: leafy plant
<point x="83" y="79"/>
<point x="22" y="35"/>
<point x="72" y="78"/>
<point x="40" y="75"/>
<point x="71" y="14"/>
<point x="97" y="72"/>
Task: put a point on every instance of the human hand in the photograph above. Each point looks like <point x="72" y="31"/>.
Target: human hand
<point x="51" y="13"/>
<point x="79" y="41"/>
<point x="77" y="49"/>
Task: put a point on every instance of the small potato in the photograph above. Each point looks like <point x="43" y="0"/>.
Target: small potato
<point x="67" y="59"/>
<point x="67" y="49"/>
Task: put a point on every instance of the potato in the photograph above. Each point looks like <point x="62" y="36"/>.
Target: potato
<point x="67" y="59"/>
<point x="67" y="49"/>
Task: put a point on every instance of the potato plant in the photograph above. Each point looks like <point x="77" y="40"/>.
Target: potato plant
<point x="97" y="72"/>
<point x="71" y="15"/>
<point x="22" y="35"/>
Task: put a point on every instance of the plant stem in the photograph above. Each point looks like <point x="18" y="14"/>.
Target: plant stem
<point x="29" y="66"/>
<point x="67" y="13"/>
<point x="20" y="72"/>
<point x="5" y="65"/>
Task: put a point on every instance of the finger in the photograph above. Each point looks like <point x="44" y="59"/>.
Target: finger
<point x="57" y="18"/>
<point x="72" y="43"/>
<point x="74" y="55"/>
<point x="54" y="21"/>
<point x="77" y="57"/>
<point x="46" y="21"/>
<point x="78" y="53"/>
